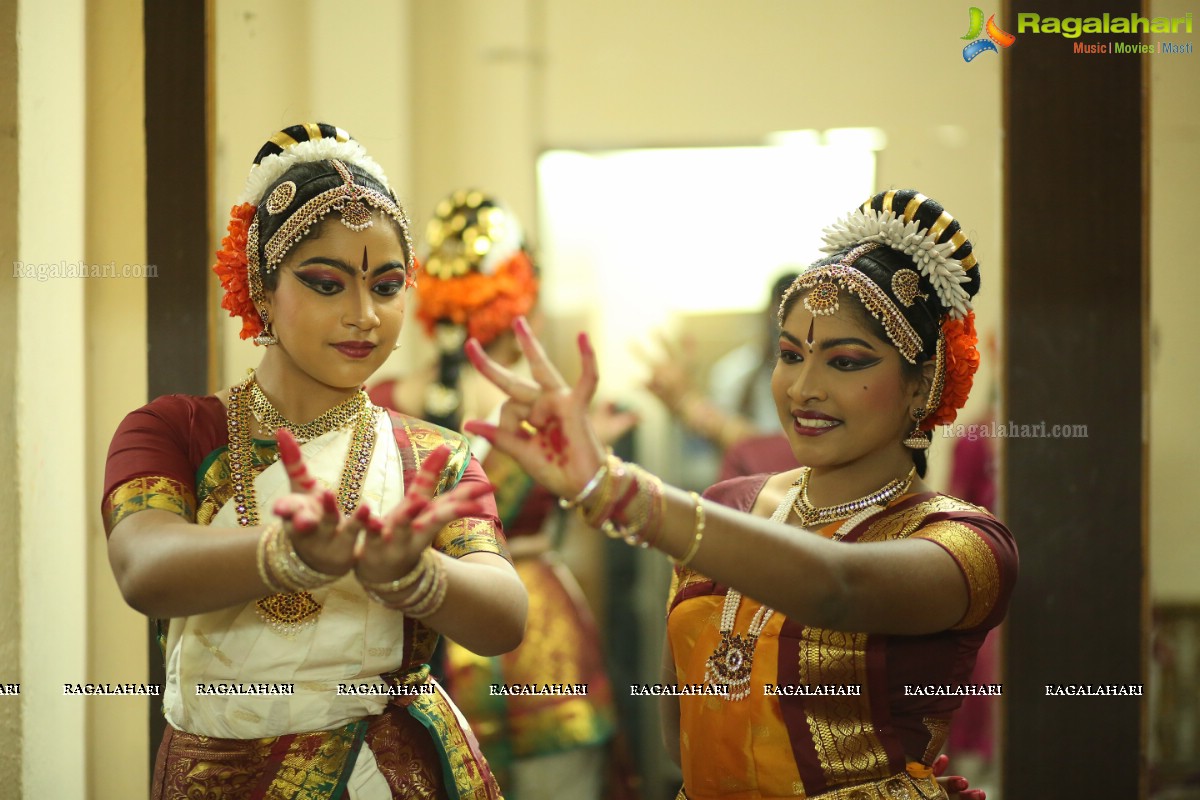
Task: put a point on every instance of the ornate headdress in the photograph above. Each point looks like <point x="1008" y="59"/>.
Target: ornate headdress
<point x="939" y="286"/>
<point x="478" y="278"/>
<point x="274" y="213"/>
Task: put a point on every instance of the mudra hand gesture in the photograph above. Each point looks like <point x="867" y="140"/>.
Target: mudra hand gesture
<point x="379" y="549"/>
<point x="544" y="425"/>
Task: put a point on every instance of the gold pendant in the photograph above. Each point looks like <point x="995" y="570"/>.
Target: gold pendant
<point x="730" y="664"/>
<point x="289" y="613"/>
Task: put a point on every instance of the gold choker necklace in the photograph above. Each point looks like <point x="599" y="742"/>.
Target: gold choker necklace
<point x="811" y="516"/>
<point x="344" y="413"/>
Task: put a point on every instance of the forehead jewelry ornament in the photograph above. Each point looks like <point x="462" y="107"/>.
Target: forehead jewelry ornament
<point x="905" y="285"/>
<point x="281" y="197"/>
<point x="822" y="301"/>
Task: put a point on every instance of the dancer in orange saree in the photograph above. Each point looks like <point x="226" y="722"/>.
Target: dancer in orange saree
<point x="302" y="547"/>
<point x="822" y="622"/>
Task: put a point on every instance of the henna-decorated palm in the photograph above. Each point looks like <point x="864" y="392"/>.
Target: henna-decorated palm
<point x="544" y="424"/>
<point x="379" y="550"/>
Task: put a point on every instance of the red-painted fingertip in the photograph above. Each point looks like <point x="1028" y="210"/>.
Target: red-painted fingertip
<point x="289" y="450"/>
<point x="329" y="502"/>
<point x="472" y="347"/>
<point x="585" y="344"/>
<point x="939" y="765"/>
<point x="436" y="460"/>
<point x="521" y="326"/>
<point x="481" y="490"/>
<point x="468" y="508"/>
<point x="959" y="784"/>
<point x="480" y="428"/>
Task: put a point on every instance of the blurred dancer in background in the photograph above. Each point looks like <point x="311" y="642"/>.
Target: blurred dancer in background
<point x="477" y="278"/>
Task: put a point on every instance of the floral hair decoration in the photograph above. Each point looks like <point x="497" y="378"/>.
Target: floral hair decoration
<point x="477" y="273"/>
<point x="478" y="278"/>
<point x="238" y="260"/>
<point x="945" y="267"/>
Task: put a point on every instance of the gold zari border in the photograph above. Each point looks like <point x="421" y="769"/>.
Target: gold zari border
<point x="469" y="535"/>
<point x="978" y="565"/>
<point x="844" y="737"/>
<point x="145" y="493"/>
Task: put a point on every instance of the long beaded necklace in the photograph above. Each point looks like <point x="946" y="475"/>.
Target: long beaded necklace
<point x="288" y="612"/>
<point x="732" y="660"/>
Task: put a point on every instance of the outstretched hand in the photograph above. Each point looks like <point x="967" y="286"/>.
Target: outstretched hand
<point x="321" y="536"/>
<point x="392" y="546"/>
<point x="544" y="424"/>
<point x="378" y="549"/>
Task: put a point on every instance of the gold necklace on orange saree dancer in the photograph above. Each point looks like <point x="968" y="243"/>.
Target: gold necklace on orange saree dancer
<point x="730" y="663"/>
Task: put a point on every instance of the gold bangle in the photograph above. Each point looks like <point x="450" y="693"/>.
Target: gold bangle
<point x="698" y="533"/>
<point x="288" y="569"/>
<point x="264" y="571"/>
<point x="408" y="579"/>
<point x="431" y="604"/>
<point x="587" y="490"/>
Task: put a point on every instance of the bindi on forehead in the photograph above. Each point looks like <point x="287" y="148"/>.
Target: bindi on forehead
<point x="364" y="262"/>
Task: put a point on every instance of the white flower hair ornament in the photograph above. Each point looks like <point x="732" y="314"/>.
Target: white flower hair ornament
<point x="271" y="168"/>
<point x="946" y="274"/>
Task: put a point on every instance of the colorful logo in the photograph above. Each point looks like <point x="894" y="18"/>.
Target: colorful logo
<point x="995" y="36"/>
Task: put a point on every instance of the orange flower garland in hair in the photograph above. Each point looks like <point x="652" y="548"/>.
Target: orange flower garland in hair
<point x="486" y="304"/>
<point x="231" y="268"/>
<point x="962" y="360"/>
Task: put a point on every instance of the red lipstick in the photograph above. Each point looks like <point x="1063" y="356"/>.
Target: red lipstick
<point x="356" y="350"/>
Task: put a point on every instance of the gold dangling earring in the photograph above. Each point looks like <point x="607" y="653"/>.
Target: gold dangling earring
<point x="266" y="338"/>
<point x="917" y="440"/>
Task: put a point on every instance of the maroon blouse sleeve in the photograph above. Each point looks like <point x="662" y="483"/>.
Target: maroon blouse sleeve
<point x="154" y="454"/>
<point x="481" y="533"/>
<point x="737" y="493"/>
<point x="987" y="556"/>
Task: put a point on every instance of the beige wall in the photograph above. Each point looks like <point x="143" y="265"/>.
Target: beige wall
<point x="1174" y="397"/>
<point x="10" y="497"/>
<point x="117" y="736"/>
<point x="367" y="93"/>
<point x="50" y="390"/>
